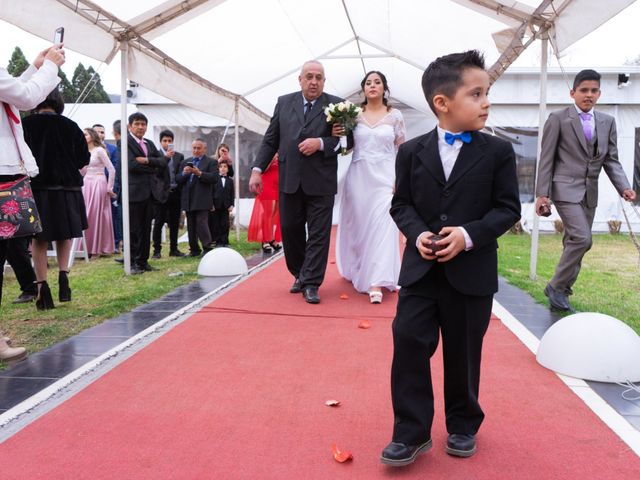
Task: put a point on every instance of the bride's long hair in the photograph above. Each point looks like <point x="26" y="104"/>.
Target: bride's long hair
<point x="385" y="86"/>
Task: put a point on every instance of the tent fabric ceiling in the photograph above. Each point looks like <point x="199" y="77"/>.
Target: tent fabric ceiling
<point x="208" y="54"/>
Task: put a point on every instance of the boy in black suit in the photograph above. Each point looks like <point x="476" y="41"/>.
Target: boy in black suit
<point x="223" y="199"/>
<point x="461" y="185"/>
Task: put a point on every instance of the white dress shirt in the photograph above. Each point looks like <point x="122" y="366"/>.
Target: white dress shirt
<point x="448" y="156"/>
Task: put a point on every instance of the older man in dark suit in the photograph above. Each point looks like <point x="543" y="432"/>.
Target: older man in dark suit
<point x="196" y="176"/>
<point x="144" y="162"/>
<point x="308" y="165"/>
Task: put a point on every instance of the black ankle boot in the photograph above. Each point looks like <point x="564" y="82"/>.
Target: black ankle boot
<point x="44" y="301"/>
<point x="64" y="292"/>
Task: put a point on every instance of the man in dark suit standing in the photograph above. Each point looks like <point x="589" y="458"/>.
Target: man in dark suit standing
<point x="169" y="210"/>
<point x="145" y="163"/>
<point x="196" y="176"/>
<point x="300" y="134"/>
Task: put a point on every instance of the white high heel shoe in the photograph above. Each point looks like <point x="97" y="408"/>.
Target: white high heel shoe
<point x="375" y="297"/>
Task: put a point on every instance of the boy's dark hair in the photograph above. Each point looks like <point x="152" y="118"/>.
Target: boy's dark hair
<point x="54" y="101"/>
<point x="97" y="125"/>
<point x="166" y="133"/>
<point x="444" y="75"/>
<point x="137" y="116"/>
<point x="116" y="126"/>
<point x="585" y="75"/>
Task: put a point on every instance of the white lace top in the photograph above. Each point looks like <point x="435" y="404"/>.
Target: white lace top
<point x="380" y="141"/>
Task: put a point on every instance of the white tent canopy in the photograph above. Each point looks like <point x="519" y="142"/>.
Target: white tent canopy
<point x="210" y="54"/>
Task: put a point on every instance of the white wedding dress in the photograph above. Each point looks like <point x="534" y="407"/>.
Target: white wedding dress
<point x="368" y="241"/>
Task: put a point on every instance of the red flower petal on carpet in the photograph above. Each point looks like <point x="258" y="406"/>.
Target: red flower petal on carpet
<point x="344" y="296"/>
<point x="341" y="456"/>
<point x="364" y="324"/>
<point x="332" y="403"/>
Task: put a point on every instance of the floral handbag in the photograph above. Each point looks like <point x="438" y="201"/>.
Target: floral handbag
<point x="18" y="213"/>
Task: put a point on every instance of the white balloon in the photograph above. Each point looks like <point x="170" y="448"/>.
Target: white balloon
<point x="591" y="346"/>
<point x="222" y="262"/>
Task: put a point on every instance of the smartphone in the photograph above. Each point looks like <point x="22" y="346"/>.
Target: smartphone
<point x="170" y="146"/>
<point x="58" y="36"/>
<point x="189" y="164"/>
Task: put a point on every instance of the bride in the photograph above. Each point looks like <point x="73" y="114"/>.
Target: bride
<point x="368" y="241"/>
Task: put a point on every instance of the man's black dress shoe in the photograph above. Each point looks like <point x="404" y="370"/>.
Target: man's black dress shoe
<point x="148" y="268"/>
<point x="119" y="260"/>
<point x="557" y="300"/>
<point x="177" y="253"/>
<point x="399" y="454"/>
<point x="296" y="287"/>
<point x="156" y="255"/>
<point x="461" y="444"/>
<point x="25" y="298"/>
<point x="136" y="270"/>
<point x="310" y="294"/>
<point x="195" y="254"/>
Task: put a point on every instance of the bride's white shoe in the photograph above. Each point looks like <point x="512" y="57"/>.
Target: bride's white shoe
<point x="375" y="297"/>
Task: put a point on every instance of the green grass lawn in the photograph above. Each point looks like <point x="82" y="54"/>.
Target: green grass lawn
<point x="100" y="291"/>
<point x="609" y="281"/>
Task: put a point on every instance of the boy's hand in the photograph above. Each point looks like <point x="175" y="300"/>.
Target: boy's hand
<point x="424" y="246"/>
<point x="629" y="195"/>
<point x="454" y="243"/>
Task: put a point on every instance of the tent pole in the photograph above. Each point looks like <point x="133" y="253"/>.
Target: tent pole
<point x="542" y="114"/>
<point x="236" y="180"/>
<point x="124" y="156"/>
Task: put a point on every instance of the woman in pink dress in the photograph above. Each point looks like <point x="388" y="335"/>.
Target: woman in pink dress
<point x="98" y="192"/>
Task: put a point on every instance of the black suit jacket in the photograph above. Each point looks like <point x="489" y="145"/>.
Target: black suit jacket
<point x="145" y="180"/>
<point x="480" y="195"/>
<point x="317" y="173"/>
<point x="164" y="177"/>
<point x="223" y="197"/>
<point x="198" y="194"/>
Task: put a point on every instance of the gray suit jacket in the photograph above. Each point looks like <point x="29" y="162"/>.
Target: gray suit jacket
<point x="317" y="173"/>
<point x="569" y="169"/>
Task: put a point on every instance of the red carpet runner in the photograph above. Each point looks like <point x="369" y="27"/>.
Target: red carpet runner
<point x="239" y="390"/>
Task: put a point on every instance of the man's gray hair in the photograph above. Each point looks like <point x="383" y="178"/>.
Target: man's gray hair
<point x="308" y="62"/>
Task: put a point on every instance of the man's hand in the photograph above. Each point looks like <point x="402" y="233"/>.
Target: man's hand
<point x="454" y="243"/>
<point x="187" y="170"/>
<point x="543" y="207"/>
<point x="170" y="152"/>
<point x="142" y="160"/>
<point x="309" y="146"/>
<point x="424" y="246"/>
<point x="196" y="171"/>
<point x="629" y="194"/>
<point x="255" y="183"/>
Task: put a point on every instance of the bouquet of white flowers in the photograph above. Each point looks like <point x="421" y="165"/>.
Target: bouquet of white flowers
<point x="344" y="113"/>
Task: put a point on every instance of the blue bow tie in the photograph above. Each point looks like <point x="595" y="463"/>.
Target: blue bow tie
<point x="452" y="137"/>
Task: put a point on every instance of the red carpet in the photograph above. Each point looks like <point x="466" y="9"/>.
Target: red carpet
<point x="239" y="391"/>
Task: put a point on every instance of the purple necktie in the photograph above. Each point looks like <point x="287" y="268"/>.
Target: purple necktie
<point x="586" y="125"/>
<point x="143" y="146"/>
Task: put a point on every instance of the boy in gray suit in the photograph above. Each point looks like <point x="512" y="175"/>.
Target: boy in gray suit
<point x="577" y="143"/>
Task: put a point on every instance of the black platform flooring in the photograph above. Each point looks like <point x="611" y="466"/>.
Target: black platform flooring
<point x="537" y="319"/>
<point x="41" y="369"/>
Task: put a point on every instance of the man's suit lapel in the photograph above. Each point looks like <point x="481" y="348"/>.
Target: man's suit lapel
<point x="602" y="132"/>
<point x="298" y="107"/>
<point x="134" y="146"/>
<point x="430" y="156"/>
<point x="470" y="154"/>
<point x="576" y="123"/>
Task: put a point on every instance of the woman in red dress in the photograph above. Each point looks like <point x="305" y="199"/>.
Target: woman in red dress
<point x="264" y="226"/>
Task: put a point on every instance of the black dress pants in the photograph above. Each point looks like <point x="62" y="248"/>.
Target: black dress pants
<point x="169" y="213"/>
<point x="219" y="225"/>
<point x="20" y="261"/>
<point x="306" y="256"/>
<point x="426" y="309"/>
<point x="140" y="216"/>
<point x="198" y="228"/>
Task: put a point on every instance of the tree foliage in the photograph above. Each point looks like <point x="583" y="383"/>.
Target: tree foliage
<point x="18" y="63"/>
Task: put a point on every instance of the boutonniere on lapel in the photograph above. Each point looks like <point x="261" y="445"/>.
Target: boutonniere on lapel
<point x="346" y="114"/>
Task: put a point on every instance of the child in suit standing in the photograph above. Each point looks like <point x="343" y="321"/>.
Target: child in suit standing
<point x="459" y="184"/>
<point x="223" y="199"/>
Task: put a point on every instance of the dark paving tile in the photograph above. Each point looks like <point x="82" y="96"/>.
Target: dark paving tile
<point x="633" y="420"/>
<point x="15" y="390"/>
<point x="185" y="294"/>
<point x="46" y="365"/>
<point x="142" y="318"/>
<point x="84" y="346"/>
<point x="162" y="306"/>
<point x="116" y="329"/>
<point x="612" y="394"/>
